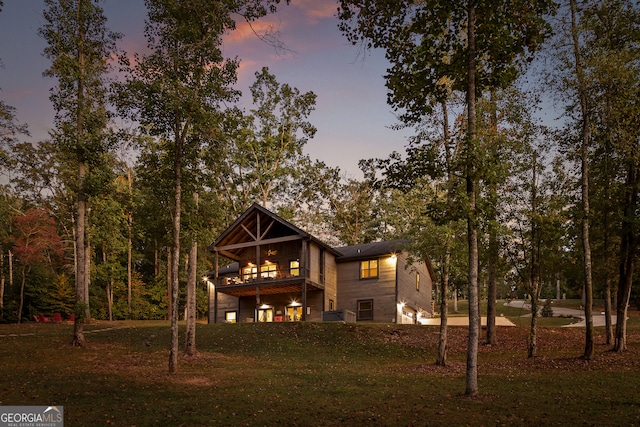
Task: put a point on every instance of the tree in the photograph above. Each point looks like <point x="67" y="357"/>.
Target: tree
<point x="35" y="242"/>
<point x="176" y="91"/>
<point x="472" y="45"/>
<point x="79" y="47"/>
<point x="10" y="128"/>
<point x="261" y="156"/>
<point x="585" y="137"/>
<point x="600" y="113"/>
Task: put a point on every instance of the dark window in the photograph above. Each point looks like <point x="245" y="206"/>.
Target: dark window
<point x="365" y="309"/>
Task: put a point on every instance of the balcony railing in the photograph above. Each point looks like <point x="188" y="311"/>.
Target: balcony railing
<point x="259" y="277"/>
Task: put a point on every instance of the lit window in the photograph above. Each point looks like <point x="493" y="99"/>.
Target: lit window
<point x="294" y="268"/>
<point x="365" y="310"/>
<point x="250" y="272"/>
<point x="418" y="282"/>
<point x="230" y="317"/>
<point x="268" y="270"/>
<point x="369" y="269"/>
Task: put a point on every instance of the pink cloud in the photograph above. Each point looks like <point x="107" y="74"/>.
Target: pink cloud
<point x="247" y="31"/>
<point x="315" y="10"/>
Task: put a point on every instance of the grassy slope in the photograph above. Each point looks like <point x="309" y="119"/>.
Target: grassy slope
<point x="316" y="374"/>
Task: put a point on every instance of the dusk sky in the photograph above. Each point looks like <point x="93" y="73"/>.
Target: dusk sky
<point x="351" y="114"/>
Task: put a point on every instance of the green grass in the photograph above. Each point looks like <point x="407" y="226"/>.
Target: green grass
<point x="321" y="374"/>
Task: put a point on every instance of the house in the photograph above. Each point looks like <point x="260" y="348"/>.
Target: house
<point x="379" y="283"/>
<point x="280" y="273"/>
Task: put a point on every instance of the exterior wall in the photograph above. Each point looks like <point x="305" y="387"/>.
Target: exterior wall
<point x="382" y="290"/>
<point x="330" y="282"/>
<point x="415" y="300"/>
<point x="225" y="303"/>
<point x="279" y="304"/>
<point x="314" y="262"/>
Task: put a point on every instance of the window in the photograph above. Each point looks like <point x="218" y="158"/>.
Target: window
<point x="418" y="282"/>
<point x="365" y="310"/>
<point x="250" y="272"/>
<point x="265" y="315"/>
<point x="369" y="269"/>
<point x="294" y="268"/>
<point x="331" y="305"/>
<point x="230" y="316"/>
<point x="294" y="313"/>
<point x="268" y="270"/>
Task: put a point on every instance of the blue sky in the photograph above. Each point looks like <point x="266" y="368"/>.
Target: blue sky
<point x="351" y="114"/>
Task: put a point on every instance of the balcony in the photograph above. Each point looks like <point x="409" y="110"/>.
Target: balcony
<point x="269" y="278"/>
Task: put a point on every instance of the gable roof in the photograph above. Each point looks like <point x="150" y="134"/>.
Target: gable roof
<point x="258" y="225"/>
<point x="369" y="250"/>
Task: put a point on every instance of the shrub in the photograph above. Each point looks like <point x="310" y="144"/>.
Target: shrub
<point x="547" y="311"/>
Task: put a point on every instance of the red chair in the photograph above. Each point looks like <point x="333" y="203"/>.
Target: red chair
<point x="43" y="318"/>
<point x="57" y="317"/>
<point x="72" y="318"/>
<point x="36" y="318"/>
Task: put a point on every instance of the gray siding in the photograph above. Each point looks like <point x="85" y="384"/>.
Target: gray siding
<point x="382" y="290"/>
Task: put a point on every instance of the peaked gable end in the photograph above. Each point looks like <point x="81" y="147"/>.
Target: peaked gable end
<point x="256" y="225"/>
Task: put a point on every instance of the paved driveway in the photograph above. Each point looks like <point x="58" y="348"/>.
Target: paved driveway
<point x="598" y="317"/>
<point x="464" y="321"/>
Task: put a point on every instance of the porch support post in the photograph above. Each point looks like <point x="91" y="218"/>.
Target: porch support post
<point x="305" y="276"/>
<point x="211" y="292"/>
<point x="255" y="314"/>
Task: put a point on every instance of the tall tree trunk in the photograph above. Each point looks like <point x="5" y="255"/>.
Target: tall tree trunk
<point x="444" y="287"/>
<point x="129" y="244"/>
<point x="444" y="282"/>
<point x="87" y="267"/>
<point x="493" y="239"/>
<point x="606" y="256"/>
<point x="628" y="253"/>
<point x="81" y="254"/>
<point x="584" y="160"/>
<point x="455" y="299"/>
<point x="175" y="258"/>
<point x="156" y="259"/>
<point x="472" y="227"/>
<point x="22" y="283"/>
<point x="492" y="290"/>
<point x="10" y="260"/>
<point x="2" y="282"/>
<point x="532" y="345"/>
<point x="192" y="280"/>
<point x="534" y="270"/>
<point x="607" y="278"/>
<point x="109" y="289"/>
